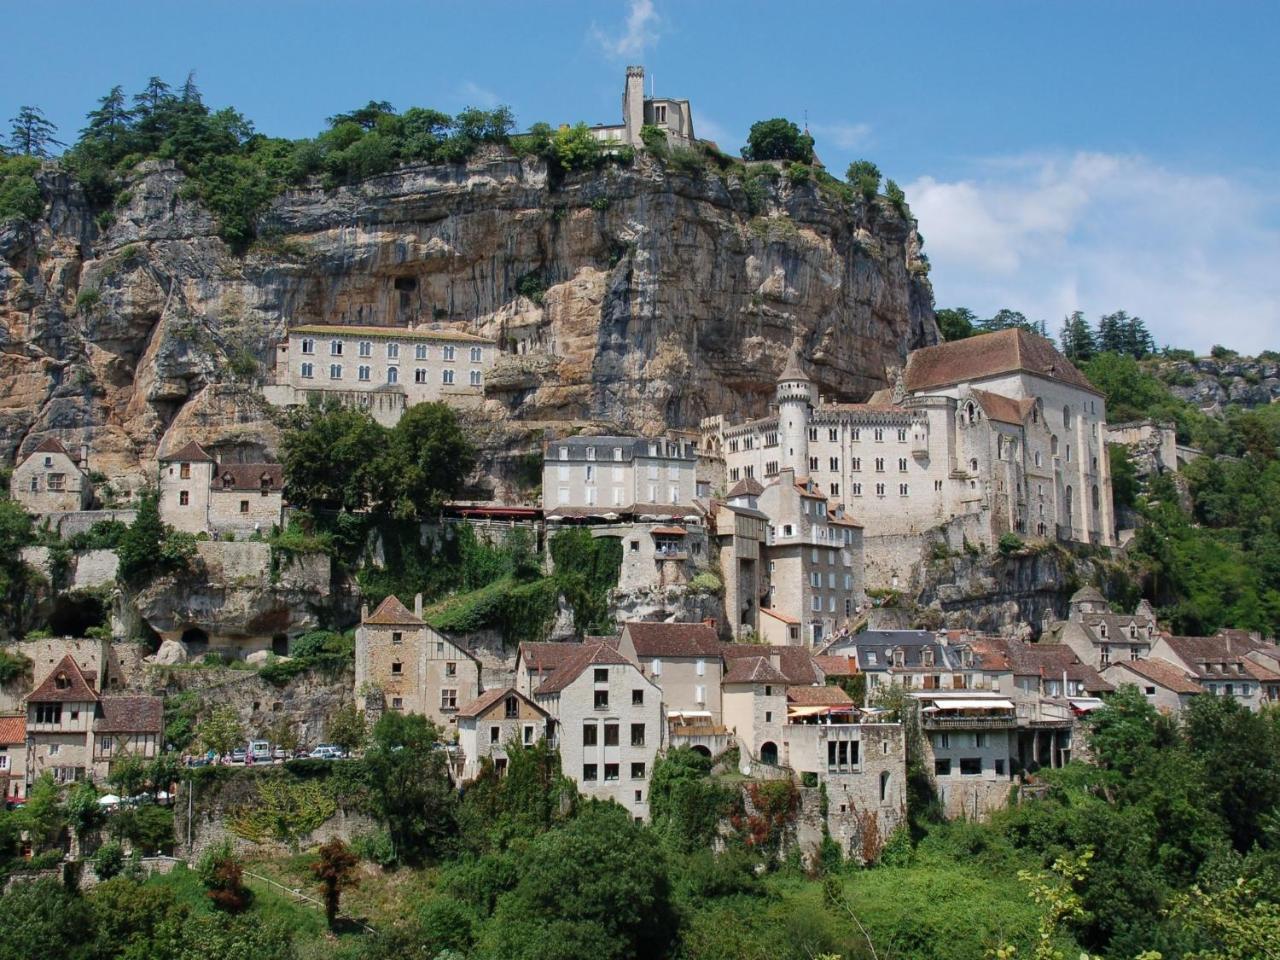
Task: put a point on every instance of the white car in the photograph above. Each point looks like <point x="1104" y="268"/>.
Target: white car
<point x="326" y="752"/>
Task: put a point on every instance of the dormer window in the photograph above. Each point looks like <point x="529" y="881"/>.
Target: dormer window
<point x="61" y="682"/>
<point x="228" y="481"/>
<point x="899" y="658"/>
<point x="1133" y="631"/>
<point x="928" y="656"/>
<point x="1102" y="630"/>
<point x="266" y="483"/>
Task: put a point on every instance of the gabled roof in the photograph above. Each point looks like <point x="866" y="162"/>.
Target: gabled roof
<point x="1163" y="673"/>
<point x="752" y="670"/>
<point x="837" y="666"/>
<point x="391" y="612"/>
<point x="130" y="715"/>
<point x="1260" y="672"/>
<point x="490" y="697"/>
<point x="824" y="696"/>
<point x="793" y="369"/>
<point x="1004" y="409"/>
<point x="51" y="445"/>
<point x="13" y="730"/>
<point x="1088" y="594"/>
<point x="1048" y="661"/>
<point x="587" y="655"/>
<point x="1206" y="656"/>
<point x="779" y="615"/>
<point x="796" y="664"/>
<point x="190" y="452"/>
<point x="746" y="487"/>
<point x="990" y="355"/>
<point x="672" y="639"/>
<point x="248" y="476"/>
<point x="79" y="688"/>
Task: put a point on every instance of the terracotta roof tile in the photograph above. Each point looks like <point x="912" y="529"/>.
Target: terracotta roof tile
<point x="989" y="355"/>
<point x="51" y="445"/>
<point x="391" y="612"/>
<point x="1162" y="672"/>
<point x="587" y="655"/>
<point x="191" y="452"/>
<point x="752" y="670"/>
<point x="837" y="666"/>
<point x="78" y="689"/>
<point x="824" y="696"/>
<point x="794" y="663"/>
<point x="387" y="333"/>
<point x="487" y="699"/>
<point x="746" y="487"/>
<point x="130" y="715"/>
<point x="13" y="730"/>
<point x="672" y="639"/>
<point x="778" y="615"/>
<point x="1004" y="409"/>
<point x="248" y="476"/>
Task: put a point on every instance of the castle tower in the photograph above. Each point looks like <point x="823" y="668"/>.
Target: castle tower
<point x="633" y="105"/>
<point x="795" y="396"/>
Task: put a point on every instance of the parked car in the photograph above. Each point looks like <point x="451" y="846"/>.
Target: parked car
<point x="326" y="751"/>
<point x="301" y="753"/>
<point x="238" y="754"/>
<point x="260" y="750"/>
<point x="279" y="753"/>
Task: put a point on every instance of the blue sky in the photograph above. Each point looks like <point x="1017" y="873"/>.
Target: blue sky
<point x="1098" y="156"/>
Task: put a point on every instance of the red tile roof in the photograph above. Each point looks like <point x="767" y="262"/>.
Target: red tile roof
<point x="747" y="487"/>
<point x="752" y="670"/>
<point x="794" y="663"/>
<point x="78" y="688"/>
<point x="989" y="355"/>
<point x="824" y="696"/>
<point x="190" y="452"/>
<point x="51" y="445"/>
<point x="672" y="639"/>
<point x="1162" y="672"/>
<point x="248" y="476"/>
<point x="586" y="655"/>
<point x="490" y="697"/>
<point x="837" y="666"/>
<point x="130" y="715"/>
<point x="1004" y="409"/>
<point x="392" y="613"/>
<point x="13" y="730"/>
<point x="779" y="616"/>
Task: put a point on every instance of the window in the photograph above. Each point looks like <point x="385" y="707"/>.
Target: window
<point x="244" y="506"/>
<point x="308" y="345"/>
<point x="879" y="434"/>
<point x="701" y="668"/>
<point x="833" y="434"/>
<point x="942" y="768"/>
<point x="476" y="378"/>
<point x="835" y="489"/>
<point x="450" y="669"/>
<point x="1000" y="766"/>
<point x="397" y="637"/>
<point x="857" y="464"/>
<point x="335" y="371"/>
<point x="879" y="464"/>
<point x="902" y="464"/>
<point x="637" y="734"/>
<point x="448" y="699"/>
<point x="610" y="734"/>
<point x="477" y="354"/>
<point x="602" y="674"/>
<point x="902" y="490"/>
<point x="397" y="668"/>
<point x="362" y="373"/>
<point x="48" y="713"/>
<point x="813" y="464"/>
<point x="589" y="773"/>
<point x="420" y="351"/>
<point x="335" y="348"/>
<point x="602" y="699"/>
<point x="660" y="113"/>
<point x="511" y="708"/>
<point x="446" y="377"/>
<point x="393" y="351"/>
<point x="970" y="766"/>
<point x="637" y="771"/>
<point x="657" y="667"/>
<point x="590" y="734"/>
<point x="902" y="434"/>
<point x="637" y="698"/>
<point x="184" y="498"/>
<point x="610" y="772"/>
<point x="448" y="352"/>
<point x="393" y="374"/>
<point x="308" y="371"/>
<point x="528" y="734"/>
<point x="879" y="489"/>
<point x="494" y="734"/>
<point x="813" y="434"/>
<point x="366" y="348"/>
<point x="857" y="489"/>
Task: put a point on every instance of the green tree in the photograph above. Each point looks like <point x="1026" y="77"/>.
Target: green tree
<point x="409" y="786"/>
<point x="44" y="919"/>
<point x="333" y="459"/>
<point x="150" y="548"/>
<point x="778" y="139"/>
<point x="31" y="133"/>
<point x="347" y="728"/>
<point x="596" y="887"/>
<point x="128" y="775"/>
<point x="528" y="798"/>
<point x="110" y="124"/>
<point x="685" y="803"/>
<point x="574" y="148"/>
<point x="864" y="175"/>
<point x="956" y="323"/>
<point x="336" y="872"/>
<point x="221" y="731"/>
<point x="428" y="458"/>
<point x="19" y="583"/>
<point x="1076" y="339"/>
<point x="222" y="874"/>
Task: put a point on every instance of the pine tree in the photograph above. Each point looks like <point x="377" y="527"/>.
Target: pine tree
<point x="1138" y="340"/>
<point x="1077" y="338"/>
<point x="1111" y="332"/>
<point x="111" y="121"/>
<point x="150" y="100"/>
<point x="32" y="133"/>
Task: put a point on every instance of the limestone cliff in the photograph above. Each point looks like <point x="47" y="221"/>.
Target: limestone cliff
<point x="653" y="298"/>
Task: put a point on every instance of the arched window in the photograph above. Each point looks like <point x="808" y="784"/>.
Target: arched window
<point x="1037" y="458"/>
<point x="884" y="785"/>
<point x="970" y="411"/>
<point x="1069" y="493"/>
<point x="1066" y="416"/>
<point x="393" y="375"/>
<point x="769" y="753"/>
<point x="1053" y="445"/>
<point x="1097" y="498"/>
<point x="973" y="465"/>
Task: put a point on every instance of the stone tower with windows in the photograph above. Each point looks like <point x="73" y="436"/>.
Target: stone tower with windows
<point x="633" y="105"/>
<point x="795" y="397"/>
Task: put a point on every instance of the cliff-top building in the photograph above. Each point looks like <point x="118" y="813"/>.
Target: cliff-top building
<point x="674" y="117"/>
<point x="384" y="370"/>
<point x="991" y="435"/>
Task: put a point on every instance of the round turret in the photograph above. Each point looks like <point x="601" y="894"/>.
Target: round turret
<point x="795" y="396"/>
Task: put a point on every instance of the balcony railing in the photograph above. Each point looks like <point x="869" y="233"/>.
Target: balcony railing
<point x="968" y="723"/>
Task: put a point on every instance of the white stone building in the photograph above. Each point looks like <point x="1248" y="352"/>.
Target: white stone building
<point x="610" y="477"/>
<point x="493" y="721"/>
<point x="384" y="370"/>
<point x="674" y="117"/>
<point x="607" y="722"/>
<point x="991" y="435"/>
<point x="199" y="495"/>
<point x="49" y="481"/>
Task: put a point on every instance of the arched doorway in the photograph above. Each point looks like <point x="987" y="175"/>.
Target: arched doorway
<point x="769" y="753"/>
<point x="700" y="749"/>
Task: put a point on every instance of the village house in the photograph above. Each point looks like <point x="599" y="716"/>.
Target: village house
<point x="738" y="533"/>
<point x="609" y="478"/>
<point x="199" y="495"/>
<point x="1220" y="665"/>
<point x="1167" y="686"/>
<point x="608" y="723"/>
<point x="1098" y="636"/>
<point x="683" y="660"/>
<point x="13" y="756"/>
<point x="76" y="733"/>
<point x="991" y="435"/>
<point x="491" y="722"/>
<point x="912" y="659"/>
<point x="48" y="481"/>
<point x="381" y="369"/>
<point x="402" y="664"/>
<point x="970" y="742"/>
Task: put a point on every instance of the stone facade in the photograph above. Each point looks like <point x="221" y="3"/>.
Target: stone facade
<point x="199" y="495"/>
<point x="493" y="720"/>
<point x="969" y="744"/>
<point x="1001" y="428"/>
<point x="739" y="532"/>
<point x="673" y="117"/>
<point x="49" y="481"/>
<point x="1098" y="636"/>
<point x="403" y="664"/>
<point x="606" y="475"/>
<point x="381" y="369"/>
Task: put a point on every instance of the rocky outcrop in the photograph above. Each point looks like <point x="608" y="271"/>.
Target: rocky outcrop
<point x="1213" y="383"/>
<point x="653" y="299"/>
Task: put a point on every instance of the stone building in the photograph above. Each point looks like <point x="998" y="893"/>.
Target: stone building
<point x="496" y="718"/>
<point x="607" y="722"/>
<point x="1220" y="665"/>
<point x="814" y="570"/>
<point x="683" y="660"/>
<point x="981" y="437"/>
<point x="739" y="531"/>
<point x="49" y="481"/>
<point x="613" y="477"/>
<point x="13" y="756"/>
<point x="970" y="742"/>
<point x="1098" y="636"/>
<point x="1167" y="687"/>
<point x="403" y="664"/>
<point x="199" y="495"/>
<point x="381" y="369"/>
<point x="76" y="733"/>
<point x="673" y="117"/>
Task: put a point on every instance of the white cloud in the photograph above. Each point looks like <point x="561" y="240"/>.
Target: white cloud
<point x="641" y="32"/>
<point x="842" y="135"/>
<point x="477" y="96"/>
<point x="1195" y="255"/>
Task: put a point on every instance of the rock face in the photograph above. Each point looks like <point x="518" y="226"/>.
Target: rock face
<point x="653" y="299"/>
<point x="1212" y="383"/>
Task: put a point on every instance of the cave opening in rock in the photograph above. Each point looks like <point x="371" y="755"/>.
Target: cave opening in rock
<point x="75" y="613"/>
<point x="280" y="644"/>
<point x="196" y="641"/>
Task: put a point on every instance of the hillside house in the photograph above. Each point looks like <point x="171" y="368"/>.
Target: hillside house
<point x="13" y="756"/>
<point x="48" y="480"/>
<point x="199" y="495"/>
<point x="491" y="722"/>
<point x="1167" y="686"/>
<point x="1098" y="636"/>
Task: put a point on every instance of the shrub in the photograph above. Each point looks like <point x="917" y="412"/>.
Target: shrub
<point x="87" y="300"/>
<point x="1010" y="543"/>
<point x="222" y="874"/>
<point x="19" y="193"/>
<point x="798" y="173"/>
<point x="686" y="160"/>
<point x="109" y="860"/>
<point x="532" y="285"/>
<point x="778" y="139"/>
<point x="654" y="139"/>
<point x="374" y="847"/>
<point x="574" y="148"/>
<point x="705" y="582"/>
<point x="897" y="198"/>
<point x="14" y="666"/>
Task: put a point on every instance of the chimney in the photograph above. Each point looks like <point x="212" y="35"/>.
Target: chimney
<point x="710" y="622"/>
<point x="364" y="612"/>
<point x="775" y="660"/>
<point x="84" y="457"/>
<point x="417" y="605"/>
